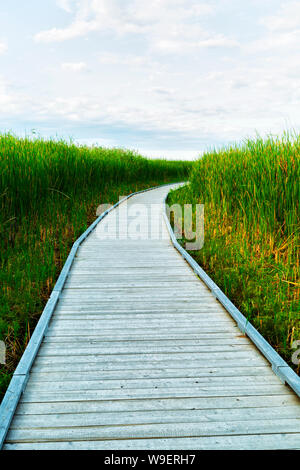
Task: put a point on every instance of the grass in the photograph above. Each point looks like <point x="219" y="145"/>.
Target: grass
<point x="49" y="193"/>
<point x="251" y="249"/>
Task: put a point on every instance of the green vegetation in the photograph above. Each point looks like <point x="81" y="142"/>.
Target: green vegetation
<point x="251" y="248"/>
<point x="49" y="193"/>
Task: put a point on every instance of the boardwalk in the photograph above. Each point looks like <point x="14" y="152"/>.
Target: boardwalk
<point x="140" y="355"/>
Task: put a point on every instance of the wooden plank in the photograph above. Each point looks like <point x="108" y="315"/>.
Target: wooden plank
<point x="159" y="404"/>
<point x="136" y="306"/>
<point x="146" y="357"/>
<point x="140" y="286"/>
<point x="92" y="265"/>
<point x="154" y="359"/>
<point x="137" y="280"/>
<point x="143" y="383"/>
<point x="133" y="270"/>
<point x="150" y="417"/>
<point x="137" y="348"/>
<point x="116" y="300"/>
<point x="134" y="278"/>
<point x="71" y="296"/>
<point x="135" y="331"/>
<point x="145" y="315"/>
<point x="61" y="364"/>
<point x="97" y="323"/>
<point x="200" y="308"/>
<point x="69" y="342"/>
<point x="42" y="374"/>
<point x="141" y="431"/>
<point x="230" y="339"/>
<point x="201" y="391"/>
<point x="137" y="316"/>
<point x="215" y="337"/>
<point x="242" y="442"/>
<point x="123" y="312"/>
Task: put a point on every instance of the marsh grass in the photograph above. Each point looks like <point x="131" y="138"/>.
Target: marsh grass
<point x="251" y="249"/>
<point x="49" y="193"/>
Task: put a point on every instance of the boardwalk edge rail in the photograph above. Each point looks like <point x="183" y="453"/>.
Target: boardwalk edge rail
<point x="21" y="374"/>
<point x="279" y="366"/>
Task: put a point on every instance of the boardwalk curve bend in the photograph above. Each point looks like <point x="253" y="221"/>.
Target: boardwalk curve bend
<point x="137" y="352"/>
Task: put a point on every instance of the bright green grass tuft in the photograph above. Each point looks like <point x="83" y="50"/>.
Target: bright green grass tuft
<point x="251" y="250"/>
<point x="49" y="193"/>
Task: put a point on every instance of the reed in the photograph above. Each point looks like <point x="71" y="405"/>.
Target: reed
<point x="251" y="250"/>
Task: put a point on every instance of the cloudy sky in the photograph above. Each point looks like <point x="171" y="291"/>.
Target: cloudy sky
<point x="165" y="77"/>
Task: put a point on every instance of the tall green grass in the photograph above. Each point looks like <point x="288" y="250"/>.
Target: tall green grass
<point x="251" y="250"/>
<point x="49" y="193"/>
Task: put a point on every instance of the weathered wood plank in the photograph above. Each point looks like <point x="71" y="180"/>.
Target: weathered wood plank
<point x="42" y="374"/>
<point x="137" y="348"/>
<point x="146" y="357"/>
<point x="201" y="308"/>
<point x="57" y="324"/>
<point x="242" y="442"/>
<point x="59" y="363"/>
<point x="141" y="431"/>
<point x="159" y="404"/>
<point x="141" y="286"/>
<point x="201" y="391"/>
<point x="151" y="417"/>
<point x="112" y="342"/>
<point x="73" y="338"/>
<point x="253" y="442"/>
<point x="117" y="331"/>
<point x="143" y="383"/>
<point x="189" y="315"/>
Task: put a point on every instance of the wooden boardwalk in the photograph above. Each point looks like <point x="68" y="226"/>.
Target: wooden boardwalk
<point x="140" y="355"/>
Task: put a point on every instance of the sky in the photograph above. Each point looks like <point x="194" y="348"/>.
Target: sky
<point x="167" y="78"/>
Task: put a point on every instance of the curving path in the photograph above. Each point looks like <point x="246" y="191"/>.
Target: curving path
<point x="140" y="355"/>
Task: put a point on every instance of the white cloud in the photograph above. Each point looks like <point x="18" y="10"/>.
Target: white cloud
<point x="74" y="66"/>
<point x="282" y="30"/>
<point x="171" y="69"/>
<point x="218" y="41"/>
<point x="11" y="103"/>
<point x="5" y="98"/>
<point x="287" y="18"/>
<point x="128" y="59"/>
<point x="3" y="47"/>
<point x="163" y="91"/>
<point x="92" y="15"/>
<point x="288" y="41"/>
<point x="167" y="26"/>
<point x="135" y="16"/>
<point x="78" y="28"/>
<point x="65" y="5"/>
<point x="186" y="46"/>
